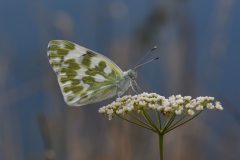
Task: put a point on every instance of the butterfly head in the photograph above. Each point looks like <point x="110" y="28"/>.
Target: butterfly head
<point x="132" y="74"/>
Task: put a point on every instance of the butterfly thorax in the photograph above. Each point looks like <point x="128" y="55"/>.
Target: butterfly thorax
<point x="132" y="74"/>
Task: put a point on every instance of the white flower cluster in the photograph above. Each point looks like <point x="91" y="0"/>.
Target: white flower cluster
<point x="151" y="101"/>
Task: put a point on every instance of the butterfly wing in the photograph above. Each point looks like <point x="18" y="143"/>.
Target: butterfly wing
<point x="84" y="76"/>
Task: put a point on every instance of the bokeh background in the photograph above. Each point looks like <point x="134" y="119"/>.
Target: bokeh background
<point x="198" y="45"/>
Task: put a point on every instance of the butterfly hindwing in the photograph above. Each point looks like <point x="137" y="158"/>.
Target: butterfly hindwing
<point x="84" y="76"/>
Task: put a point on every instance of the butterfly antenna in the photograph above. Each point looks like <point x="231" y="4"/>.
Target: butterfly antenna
<point x="143" y="58"/>
<point x="153" y="59"/>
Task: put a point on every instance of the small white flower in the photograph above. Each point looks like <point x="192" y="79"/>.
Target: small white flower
<point x="151" y="101"/>
<point x="190" y="112"/>
<point x="171" y="99"/>
<point x="178" y="96"/>
<point x="188" y="98"/>
<point x="160" y="108"/>
<point x="178" y="112"/>
<point x="199" y="108"/>
<point x="210" y="98"/>
<point x="167" y="109"/>
<point x="179" y="101"/>
<point x="110" y="117"/>
<point x="210" y="106"/>
<point x="101" y="110"/>
<point x="166" y="103"/>
<point x="218" y="106"/>
<point x="142" y="103"/>
<point x="189" y="105"/>
<point x="109" y="111"/>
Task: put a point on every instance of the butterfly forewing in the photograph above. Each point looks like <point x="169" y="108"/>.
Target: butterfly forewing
<point x="84" y="76"/>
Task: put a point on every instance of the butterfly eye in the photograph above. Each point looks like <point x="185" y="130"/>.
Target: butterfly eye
<point x="132" y="75"/>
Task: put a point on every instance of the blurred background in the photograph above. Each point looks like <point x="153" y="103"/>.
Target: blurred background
<point x="198" y="45"/>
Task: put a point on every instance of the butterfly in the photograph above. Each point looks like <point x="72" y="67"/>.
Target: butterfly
<point x="85" y="76"/>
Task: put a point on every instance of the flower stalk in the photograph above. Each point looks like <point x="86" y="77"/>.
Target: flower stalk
<point x="157" y="113"/>
<point x="160" y="146"/>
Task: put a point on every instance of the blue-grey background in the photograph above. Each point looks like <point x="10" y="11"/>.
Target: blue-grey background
<point x="198" y="45"/>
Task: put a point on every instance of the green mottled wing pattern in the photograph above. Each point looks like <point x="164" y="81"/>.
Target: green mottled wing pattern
<point x="84" y="76"/>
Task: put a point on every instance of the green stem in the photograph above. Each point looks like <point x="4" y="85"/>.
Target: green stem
<point x="168" y="130"/>
<point x="178" y="121"/>
<point x="161" y="146"/>
<point x="149" y="120"/>
<point x="140" y="125"/>
<point x="169" y="122"/>
<point x="141" y="122"/>
<point x="159" y="120"/>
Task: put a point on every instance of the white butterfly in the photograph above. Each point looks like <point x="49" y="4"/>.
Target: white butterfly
<point x="85" y="76"/>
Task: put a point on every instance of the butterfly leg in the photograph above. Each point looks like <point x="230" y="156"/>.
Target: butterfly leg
<point x="133" y="87"/>
<point x="137" y="86"/>
<point x="118" y="92"/>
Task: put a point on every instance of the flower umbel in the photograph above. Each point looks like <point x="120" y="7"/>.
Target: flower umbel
<point x="146" y="102"/>
<point x="157" y="113"/>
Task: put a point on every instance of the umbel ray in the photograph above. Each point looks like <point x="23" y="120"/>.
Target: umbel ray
<point x="86" y="76"/>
